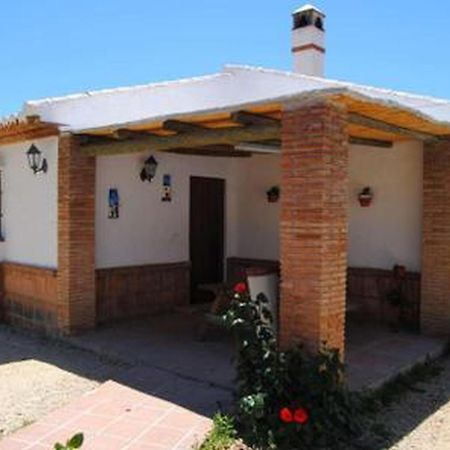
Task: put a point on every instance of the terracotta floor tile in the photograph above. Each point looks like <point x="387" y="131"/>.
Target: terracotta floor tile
<point x="125" y="428"/>
<point x="90" y="422"/>
<point x="33" y="432"/>
<point x="183" y="420"/>
<point x="149" y="447"/>
<point x="12" y="444"/>
<point x="147" y="414"/>
<point x="104" y="442"/>
<point x="162" y="436"/>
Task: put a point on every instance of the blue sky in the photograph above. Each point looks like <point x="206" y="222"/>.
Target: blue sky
<point x="55" y="47"/>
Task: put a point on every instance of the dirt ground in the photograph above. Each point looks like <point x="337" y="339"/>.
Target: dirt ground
<point x="421" y="418"/>
<point x="38" y="376"/>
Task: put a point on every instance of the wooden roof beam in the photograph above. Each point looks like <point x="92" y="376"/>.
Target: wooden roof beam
<point x="199" y="138"/>
<point x="368" y="122"/>
<point x="181" y="127"/>
<point x="248" y="118"/>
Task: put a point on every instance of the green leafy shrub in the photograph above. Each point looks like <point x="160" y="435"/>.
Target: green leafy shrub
<point x="222" y="435"/>
<point x="72" y="444"/>
<point x="287" y="399"/>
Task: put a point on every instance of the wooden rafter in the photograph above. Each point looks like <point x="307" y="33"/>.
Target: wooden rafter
<point x="368" y="122"/>
<point x="212" y="150"/>
<point x="248" y="118"/>
<point x="195" y="139"/>
<point x="178" y="126"/>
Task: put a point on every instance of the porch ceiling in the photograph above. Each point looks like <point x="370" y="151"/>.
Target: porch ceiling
<point x="371" y="122"/>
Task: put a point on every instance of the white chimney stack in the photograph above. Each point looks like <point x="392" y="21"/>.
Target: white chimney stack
<point x="308" y="41"/>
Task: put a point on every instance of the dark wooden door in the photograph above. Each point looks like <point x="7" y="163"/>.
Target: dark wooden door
<point x="206" y="230"/>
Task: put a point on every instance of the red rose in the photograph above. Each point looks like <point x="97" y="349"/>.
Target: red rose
<point x="240" y="288"/>
<point x="286" y="415"/>
<point x="301" y="416"/>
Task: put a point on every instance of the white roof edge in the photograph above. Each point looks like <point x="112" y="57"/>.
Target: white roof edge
<point x="308" y="95"/>
<point x="235" y="67"/>
<point x="124" y="89"/>
<point x="308" y="7"/>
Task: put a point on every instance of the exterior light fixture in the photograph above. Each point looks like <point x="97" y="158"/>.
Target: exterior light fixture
<point x="35" y="161"/>
<point x="149" y="170"/>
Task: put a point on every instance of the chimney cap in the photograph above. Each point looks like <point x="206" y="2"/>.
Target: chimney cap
<point x="306" y="8"/>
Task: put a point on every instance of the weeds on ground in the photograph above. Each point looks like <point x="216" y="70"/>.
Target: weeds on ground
<point x="73" y="443"/>
<point x="222" y="436"/>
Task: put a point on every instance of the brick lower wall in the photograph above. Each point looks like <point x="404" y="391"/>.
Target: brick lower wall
<point x="127" y="292"/>
<point x="29" y="297"/>
<point x="367" y="291"/>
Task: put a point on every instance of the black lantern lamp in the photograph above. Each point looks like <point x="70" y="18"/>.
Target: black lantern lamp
<point x="35" y="161"/>
<point x="149" y="170"/>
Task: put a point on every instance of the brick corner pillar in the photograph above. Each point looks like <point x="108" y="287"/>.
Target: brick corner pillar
<point x="435" y="285"/>
<point x="314" y="225"/>
<point x="76" y="238"/>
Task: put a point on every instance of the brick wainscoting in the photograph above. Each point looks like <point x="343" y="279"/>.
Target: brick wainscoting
<point x="29" y="297"/>
<point x="128" y="292"/>
<point x="366" y="289"/>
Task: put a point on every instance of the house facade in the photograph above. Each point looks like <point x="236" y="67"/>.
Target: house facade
<point x="97" y="238"/>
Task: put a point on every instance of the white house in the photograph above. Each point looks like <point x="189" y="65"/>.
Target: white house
<point x="88" y="240"/>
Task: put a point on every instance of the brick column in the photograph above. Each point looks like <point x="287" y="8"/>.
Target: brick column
<point x="314" y="225"/>
<point x="435" y="302"/>
<point x="76" y="238"/>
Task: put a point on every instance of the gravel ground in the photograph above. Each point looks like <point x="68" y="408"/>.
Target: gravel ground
<point x="421" y="419"/>
<point x="39" y="375"/>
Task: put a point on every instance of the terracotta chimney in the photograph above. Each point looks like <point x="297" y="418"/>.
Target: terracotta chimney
<point x="308" y="41"/>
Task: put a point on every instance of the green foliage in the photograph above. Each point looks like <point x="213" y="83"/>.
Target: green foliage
<point x="222" y="435"/>
<point x="72" y="444"/>
<point x="269" y="380"/>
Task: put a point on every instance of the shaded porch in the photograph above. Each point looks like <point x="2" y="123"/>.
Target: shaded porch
<point x="169" y="342"/>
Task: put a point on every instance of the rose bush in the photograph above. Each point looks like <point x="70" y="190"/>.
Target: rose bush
<point x="287" y="399"/>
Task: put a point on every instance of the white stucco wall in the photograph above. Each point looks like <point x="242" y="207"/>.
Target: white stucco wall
<point x="390" y="230"/>
<point x="29" y="205"/>
<point x="150" y="231"/>
<point x="258" y="226"/>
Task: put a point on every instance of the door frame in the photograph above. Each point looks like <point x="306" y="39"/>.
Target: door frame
<point x="223" y="253"/>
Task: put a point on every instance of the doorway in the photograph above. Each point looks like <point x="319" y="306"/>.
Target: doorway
<point x="207" y="213"/>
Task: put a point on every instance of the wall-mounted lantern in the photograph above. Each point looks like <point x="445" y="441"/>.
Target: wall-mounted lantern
<point x="35" y="161"/>
<point x="149" y="170"/>
<point x="365" y="197"/>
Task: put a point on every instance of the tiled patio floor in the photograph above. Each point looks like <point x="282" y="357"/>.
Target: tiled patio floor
<point x="115" y="417"/>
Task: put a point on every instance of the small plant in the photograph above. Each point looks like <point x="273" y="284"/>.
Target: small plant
<point x="287" y="399"/>
<point x="72" y="444"/>
<point x="273" y="194"/>
<point x="222" y="435"/>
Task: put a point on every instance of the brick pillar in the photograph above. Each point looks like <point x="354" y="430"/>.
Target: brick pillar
<point x="435" y="301"/>
<point x="314" y="225"/>
<point x="76" y="238"/>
